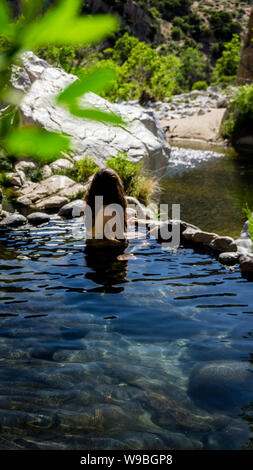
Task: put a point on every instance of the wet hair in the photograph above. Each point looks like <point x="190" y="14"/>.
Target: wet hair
<point x="107" y="183"/>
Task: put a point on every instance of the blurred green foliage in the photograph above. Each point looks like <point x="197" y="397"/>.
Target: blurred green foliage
<point x="60" y="26"/>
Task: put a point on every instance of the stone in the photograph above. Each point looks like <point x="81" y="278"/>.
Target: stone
<point x="203" y="237"/>
<point x="131" y="212"/>
<point x="73" y="209"/>
<point x="25" y="166"/>
<point x="142" y="212"/>
<point x="46" y="171"/>
<point x="142" y="138"/>
<point x="189" y="233"/>
<point x="17" y="178"/>
<point x="246" y="264"/>
<point x="51" y="203"/>
<point x="244" y="243"/>
<point x="245" y="230"/>
<point x="222" y="102"/>
<point x="13" y="221"/>
<point x="61" y="164"/>
<point x="221" y="384"/>
<point x="50" y="193"/>
<point x="38" y="218"/>
<point x="229" y="258"/>
<point x="224" y="244"/>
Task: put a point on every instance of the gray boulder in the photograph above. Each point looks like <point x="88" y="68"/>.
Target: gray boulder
<point x="13" y="221"/>
<point x="142" y="139"/>
<point x="246" y="264"/>
<point x="38" y="218"/>
<point x="52" y="193"/>
<point x="223" y="244"/>
<point x="72" y="209"/>
<point x="229" y="258"/>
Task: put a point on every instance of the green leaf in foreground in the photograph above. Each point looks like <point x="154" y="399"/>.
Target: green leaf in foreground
<point x="96" y="115"/>
<point x="4" y="15"/>
<point x="95" y="81"/>
<point x="36" y="143"/>
<point x="61" y="25"/>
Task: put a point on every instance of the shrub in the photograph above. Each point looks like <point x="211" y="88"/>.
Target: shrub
<point x="223" y="25"/>
<point x="226" y="67"/>
<point x="194" y="67"/>
<point x="5" y="180"/>
<point x="35" y="174"/>
<point x="201" y="85"/>
<point x="176" y="33"/>
<point x="86" y="167"/>
<point x="135" y="182"/>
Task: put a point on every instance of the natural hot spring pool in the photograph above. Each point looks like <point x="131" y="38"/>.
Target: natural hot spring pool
<point x="97" y="355"/>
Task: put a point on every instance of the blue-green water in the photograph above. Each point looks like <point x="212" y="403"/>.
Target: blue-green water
<point x="97" y="354"/>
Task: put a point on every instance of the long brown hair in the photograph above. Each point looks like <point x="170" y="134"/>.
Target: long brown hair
<point x="107" y="183"/>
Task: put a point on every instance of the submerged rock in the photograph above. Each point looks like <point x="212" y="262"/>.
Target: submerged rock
<point x="221" y="384"/>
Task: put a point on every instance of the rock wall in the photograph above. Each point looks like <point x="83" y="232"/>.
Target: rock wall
<point x="245" y="71"/>
<point x="142" y="139"/>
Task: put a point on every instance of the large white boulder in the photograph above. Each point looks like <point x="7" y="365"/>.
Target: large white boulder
<point x="143" y="138"/>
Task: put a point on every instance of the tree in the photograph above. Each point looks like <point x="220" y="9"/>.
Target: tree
<point x="226" y="67"/>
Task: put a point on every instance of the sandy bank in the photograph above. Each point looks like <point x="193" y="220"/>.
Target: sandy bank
<point x="200" y="127"/>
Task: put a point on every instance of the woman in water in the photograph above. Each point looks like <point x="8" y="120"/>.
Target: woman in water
<point x="106" y="211"/>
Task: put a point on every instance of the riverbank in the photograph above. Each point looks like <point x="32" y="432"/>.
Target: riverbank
<point x="204" y="128"/>
<point x="194" y="116"/>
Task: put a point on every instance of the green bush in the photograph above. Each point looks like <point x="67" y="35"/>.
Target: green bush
<point x="201" y="85"/>
<point x="176" y="33"/>
<point x="226" y="67"/>
<point x="137" y="67"/>
<point x="86" y="167"/>
<point x="223" y="25"/>
<point x="194" y="67"/>
<point x="135" y="183"/>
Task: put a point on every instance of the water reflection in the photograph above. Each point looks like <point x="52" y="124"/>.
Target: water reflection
<point x="106" y="268"/>
<point x="212" y="189"/>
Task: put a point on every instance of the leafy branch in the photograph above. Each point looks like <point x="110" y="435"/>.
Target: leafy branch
<point x="60" y="25"/>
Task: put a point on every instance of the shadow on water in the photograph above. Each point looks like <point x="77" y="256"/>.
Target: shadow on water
<point x="212" y="188"/>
